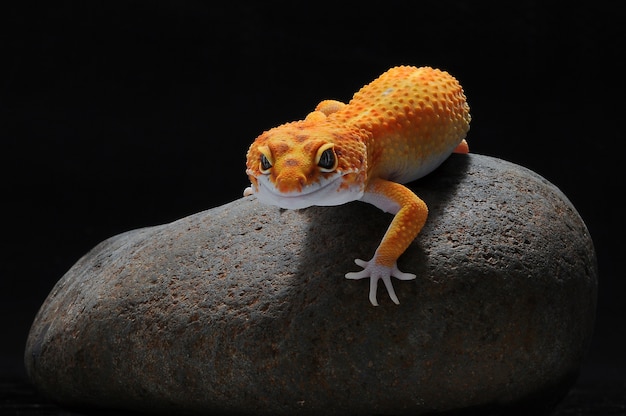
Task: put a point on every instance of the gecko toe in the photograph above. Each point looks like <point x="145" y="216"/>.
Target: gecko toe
<point x="390" y="290"/>
<point x="361" y="263"/>
<point x="359" y="275"/>
<point x="395" y="272"/>
<point x="373" y="290"/>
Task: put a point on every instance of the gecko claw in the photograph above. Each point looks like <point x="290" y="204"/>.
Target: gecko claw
<point x="376" y="272"/>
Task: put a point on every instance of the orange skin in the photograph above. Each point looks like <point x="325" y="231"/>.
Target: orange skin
<point x="396" y="129"/>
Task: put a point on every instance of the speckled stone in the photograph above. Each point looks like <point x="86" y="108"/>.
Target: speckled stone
<point x="244" y="308"/>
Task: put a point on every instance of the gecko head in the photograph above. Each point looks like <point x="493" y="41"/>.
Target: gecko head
<point x="300" y="164"/>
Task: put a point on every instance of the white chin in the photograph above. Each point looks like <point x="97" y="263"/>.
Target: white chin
<point x="324" y="193"/>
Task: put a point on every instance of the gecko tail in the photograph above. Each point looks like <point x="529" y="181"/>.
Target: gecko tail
<point x="463" y="147"/>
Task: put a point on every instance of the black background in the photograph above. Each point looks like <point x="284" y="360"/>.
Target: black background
<point x="122" y="114"/>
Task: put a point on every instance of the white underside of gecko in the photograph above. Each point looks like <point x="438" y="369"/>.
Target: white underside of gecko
<point x="326" y="192"/>
<point x="417" y="169"/>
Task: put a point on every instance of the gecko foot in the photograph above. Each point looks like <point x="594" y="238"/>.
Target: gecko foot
<point x="375" y="272"/>
<point x="248" y="191"/>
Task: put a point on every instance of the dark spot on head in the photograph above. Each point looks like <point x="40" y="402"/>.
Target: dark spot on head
<point x="311" y="147"/>
<point x="292" y="162"/>
<point x="301" y="138"/>
<point x="279" y="148"/>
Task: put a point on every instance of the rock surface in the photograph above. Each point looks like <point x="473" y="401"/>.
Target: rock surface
<point x="244" y="308"/>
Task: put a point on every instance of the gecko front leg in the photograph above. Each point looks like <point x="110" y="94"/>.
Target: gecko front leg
<point x="410" y="216"/>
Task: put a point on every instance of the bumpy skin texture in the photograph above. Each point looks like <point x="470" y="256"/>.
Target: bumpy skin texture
<point x="396" y="129"/>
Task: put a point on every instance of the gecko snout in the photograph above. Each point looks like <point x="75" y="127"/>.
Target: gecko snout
<point x="290" y="182"/>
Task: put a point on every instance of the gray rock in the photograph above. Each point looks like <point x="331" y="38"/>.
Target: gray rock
<point x="244" y="308"/>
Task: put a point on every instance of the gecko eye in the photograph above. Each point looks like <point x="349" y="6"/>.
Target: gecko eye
<point x="327" y="161"/>
<point x="265" y="164"/>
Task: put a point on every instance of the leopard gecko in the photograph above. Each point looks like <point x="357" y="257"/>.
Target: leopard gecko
<point x="394" y="130"/>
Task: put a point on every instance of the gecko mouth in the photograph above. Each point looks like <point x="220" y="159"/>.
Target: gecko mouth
<point x="328" y="191"/>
